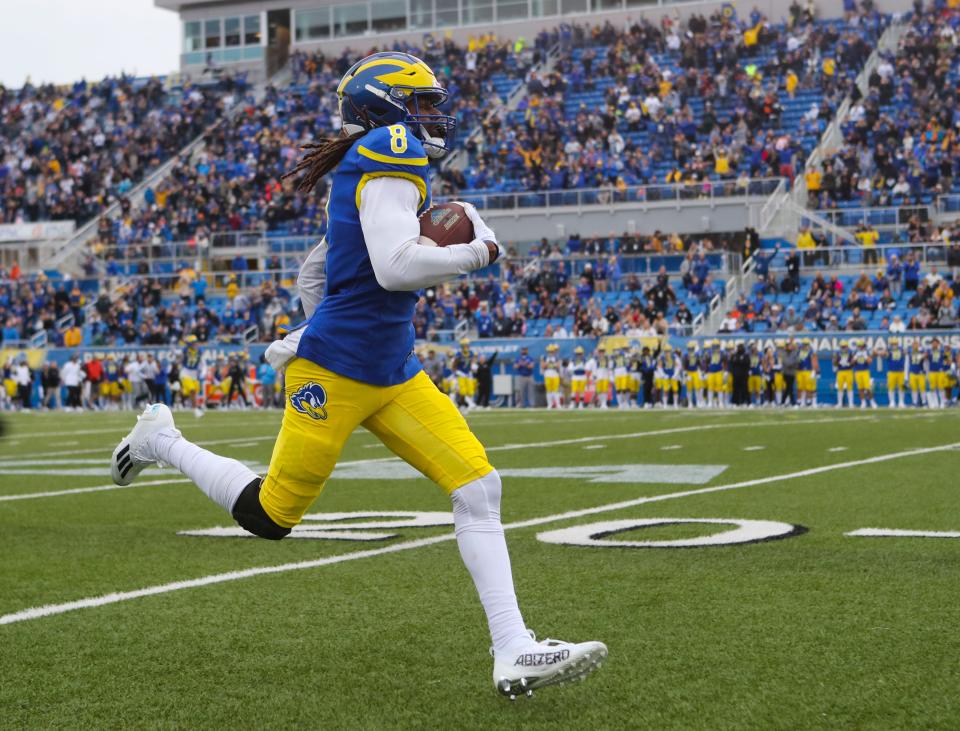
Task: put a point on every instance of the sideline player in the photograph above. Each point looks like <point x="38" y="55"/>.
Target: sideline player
<point x="578" y="379"/>
<point x="861" y="374"/>
<point x="807" y="369"/>
<point x="670" y="367"/>
<point x="621" y="379"/>
<point x="193" y="371"/>
<point x="715" y="369"/>
<point x="917" y="373"/>
<point x="755" y="377"/>
<point x="463" y="365"/>
<point x="602" y="374"/>
<point x="550" y="368"/>
<point x="353" y="364"/>
<point x="937" y="369"/>
<point x="843" y="368"/>
<point x="895" y="361"/>
<point x="693" y="377"/>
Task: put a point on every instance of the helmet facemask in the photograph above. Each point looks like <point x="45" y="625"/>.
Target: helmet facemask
<point x="436" y="131"/>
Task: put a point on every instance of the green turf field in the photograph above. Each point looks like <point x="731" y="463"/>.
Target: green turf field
<point x="814" y="630"/>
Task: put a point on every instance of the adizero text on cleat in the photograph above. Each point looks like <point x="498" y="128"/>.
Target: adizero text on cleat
<point x="546" y="663"/>
<point x="131" y="456"/>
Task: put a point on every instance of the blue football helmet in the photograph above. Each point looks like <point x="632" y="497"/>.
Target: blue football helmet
<point x="378" y="90"/>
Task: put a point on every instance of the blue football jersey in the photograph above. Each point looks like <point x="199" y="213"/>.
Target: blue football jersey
<point x="359" y="329"/>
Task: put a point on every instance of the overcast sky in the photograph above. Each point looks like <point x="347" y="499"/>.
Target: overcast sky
<point x="66" y="40"/>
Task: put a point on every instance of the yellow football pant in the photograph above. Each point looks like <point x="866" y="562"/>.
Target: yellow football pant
<point x="864" y="382"/>
<point x="578" y="385"/>
<point x="467" y="385"/>
<point x="937" y="380"/>
<point x="413" y="419"/>
<point x="551" y="383"/>
<point x="189" y="386"/>
<point x="715" y="382"/>
<point x="755" y="384"/>
<point x="918" y="382"/>
<point x="806" y="381"/>
<point x="895" y="381"/>
<point x="845" y="380"/>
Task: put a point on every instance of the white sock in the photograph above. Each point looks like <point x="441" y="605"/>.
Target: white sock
<point x="220" y="478"/>
<point x="483" y="548"/>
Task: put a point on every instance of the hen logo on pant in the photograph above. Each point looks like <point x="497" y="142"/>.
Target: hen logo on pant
<point x="310" y="399"/>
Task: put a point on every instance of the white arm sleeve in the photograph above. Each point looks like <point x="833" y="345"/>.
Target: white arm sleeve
<point x="391" y="229"/>
<point x="310" y="278"/>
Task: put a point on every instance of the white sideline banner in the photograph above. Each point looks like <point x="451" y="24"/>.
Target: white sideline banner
<point x="39" y="231"/>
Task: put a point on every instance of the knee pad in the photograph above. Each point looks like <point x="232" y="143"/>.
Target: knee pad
<point x="250" y="515"/>
<point x="477" y="501"/>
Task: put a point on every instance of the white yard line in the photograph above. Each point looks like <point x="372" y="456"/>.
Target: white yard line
<point x="500" y="448"/>
<point x="117" y="597"/>
<point x="899" y="533"/>
<point x="756" y="448"/>
<point x="80" y="490"/>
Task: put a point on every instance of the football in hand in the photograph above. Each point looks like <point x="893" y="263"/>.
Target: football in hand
<point x="445" y="224"/>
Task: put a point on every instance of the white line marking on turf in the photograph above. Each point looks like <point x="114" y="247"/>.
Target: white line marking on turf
<point x="500" y="448"/>
<point x="898" y="533"/>
<point x="753" y="449"/>
<point x="596" y="446"/>
<point x="116" y="597"/>
<point x="95" y="488"/>
<point x="669" y="447"/>
<point x="838" y="449"/>
<point x="242" y="445"/>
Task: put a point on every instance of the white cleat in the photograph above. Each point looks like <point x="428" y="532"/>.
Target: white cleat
<point x="128" y="459"/>
<point x="541" y="664"/>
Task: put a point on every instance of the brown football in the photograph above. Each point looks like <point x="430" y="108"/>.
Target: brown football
<point x="445" y="224"/>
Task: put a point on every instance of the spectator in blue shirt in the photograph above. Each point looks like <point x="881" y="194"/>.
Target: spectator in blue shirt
<point x="523" y="371"/>
<point x="484" y="322"/>
<point x="911" y="272"/>
<point x="199" y="288"/>
<point x="761" y="262"/>
<point x="895" y="275"/>
<point x="268" y="378"/>
<point x="614" y="272"/>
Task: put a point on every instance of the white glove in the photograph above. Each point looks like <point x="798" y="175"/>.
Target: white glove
<point x="283" y="351"/>
<point x="480" y="229"/>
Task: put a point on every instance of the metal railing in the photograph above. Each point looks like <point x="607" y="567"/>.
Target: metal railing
<point x="947" y="204"/>
<point x="880" y="216"/>
<point x="772" y="207"/>
<point x="677" y="193"/>
<point x="858" y="257"/>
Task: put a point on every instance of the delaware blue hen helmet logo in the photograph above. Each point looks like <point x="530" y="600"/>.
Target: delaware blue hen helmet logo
<point x="310" y="399"/>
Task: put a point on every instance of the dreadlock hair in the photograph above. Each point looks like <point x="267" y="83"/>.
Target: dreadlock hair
<point x="320" y="158"/>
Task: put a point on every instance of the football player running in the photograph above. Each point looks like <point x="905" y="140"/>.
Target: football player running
<point x="353" y="363"/>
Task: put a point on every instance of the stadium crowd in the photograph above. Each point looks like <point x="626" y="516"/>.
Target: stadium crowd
<point x="67" y="153"/>
<point x="900" y="140"/>
<point x="674" y="103"/>
<point x="234" y="183"/>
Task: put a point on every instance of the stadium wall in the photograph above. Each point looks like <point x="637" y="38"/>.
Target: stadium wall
<point x="685" y="217"/>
